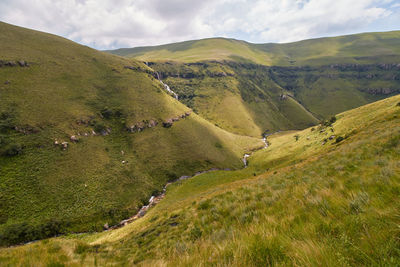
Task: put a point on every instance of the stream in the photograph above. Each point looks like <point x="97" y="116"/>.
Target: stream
<point x="155" y="199"/>
<point x="166" y="87"/>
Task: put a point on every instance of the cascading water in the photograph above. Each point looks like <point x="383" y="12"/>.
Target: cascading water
<point x="166" y="87"/>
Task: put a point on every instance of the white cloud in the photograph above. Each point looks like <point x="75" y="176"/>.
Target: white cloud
<point x="125" y="23"/>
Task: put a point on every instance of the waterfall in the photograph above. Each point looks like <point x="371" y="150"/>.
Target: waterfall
<point x="166" y="87"/>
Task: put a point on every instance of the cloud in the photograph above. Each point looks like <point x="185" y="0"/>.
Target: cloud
<point x="107" y="24"/>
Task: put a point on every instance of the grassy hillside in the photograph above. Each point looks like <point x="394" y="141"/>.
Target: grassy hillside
<point x="306" y="200"/>
<point x="261" y="88"/>
<point x="227" y="95"/>
<point x="52" y="89"/>
<point x="253" y="99"/>
<point x="198" y="50"/>
<point x="365" y="48"/>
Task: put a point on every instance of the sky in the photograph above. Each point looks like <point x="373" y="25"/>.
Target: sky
<point x="110" y="24"/>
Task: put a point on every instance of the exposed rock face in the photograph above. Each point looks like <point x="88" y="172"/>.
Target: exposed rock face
<point x="168" y="123"/>
<point x="22" y="63"/>
<point x="26" y="129"/>
<point x="64" y="145"/>
<point x="105" y="132"/>
<point x="11" y="63"/>
<point x="381" y="91"/>
<point x="152" y="123"/>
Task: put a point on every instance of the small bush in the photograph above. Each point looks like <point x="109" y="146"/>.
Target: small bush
<point x="18" y="233"/>
<point x="297" y="137"/>
<point x="81" y="248"/>
<point x="98" y="127"/>
<point x="55" y="264"/>
<point x="108" y="113"/>
<point x="218" y="145"/>
<point x="339" y="139"/>
<point x="329" y="122"/>
<point x="12" y="150"/>
<point x="204" y="205"/>
<point x="195" y="233"/>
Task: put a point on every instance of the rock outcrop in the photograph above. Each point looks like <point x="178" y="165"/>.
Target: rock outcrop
<point x="11" y="63"/>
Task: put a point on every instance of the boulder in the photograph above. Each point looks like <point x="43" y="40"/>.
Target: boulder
<point x="331" y="137"/>
<point x="138" y="127"/>
<point x="64" y="145"/>
<point x="168" y="123"/>
<point x="11" y="63"/>
<point x="106" y="226"/>
<point x="152" y="123"/>
<point x="74" y="138"/>
<point x="22" y="63"/>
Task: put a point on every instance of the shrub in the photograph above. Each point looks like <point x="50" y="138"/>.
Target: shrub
<point x="206" y="204"/>
<point x="81" y="248"/>
<point x="7" y="121"/>
<point x="12" y="150"/>
<point x="329" y="122"/>
<point x="18" y="233"/>
<point x="339" y="139"/>
<point x="195" y="233"/>
<point x="98" y="127"/>
<point x="218" y="145"/>
<point x="55" y="264"/>
<point x="297" y="137"/>
<point x="108" y="113"/>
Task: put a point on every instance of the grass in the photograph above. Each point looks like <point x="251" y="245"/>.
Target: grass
<point x="70" y="89"/>
<point x="301" y="203"/>
<point x="365" y="48"/>
<point x="251" y="99"/>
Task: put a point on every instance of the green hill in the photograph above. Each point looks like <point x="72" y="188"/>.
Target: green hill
<point x="325" y="195"/>
<point x="262" y="88"/>
<point x="365" y="48"/>
<point x="114" y="116"/>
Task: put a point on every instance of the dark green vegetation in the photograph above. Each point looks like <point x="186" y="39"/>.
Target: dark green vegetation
<point x="312" y="203"/>
<point x="52" y="89"/>
<point x="255" y="89"/>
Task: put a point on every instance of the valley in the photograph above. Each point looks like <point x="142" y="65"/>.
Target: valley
<point x="212" y="152"/>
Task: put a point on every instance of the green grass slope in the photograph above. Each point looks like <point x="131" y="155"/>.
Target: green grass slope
<point x="306" y="200"/>
<point x="256" y="88"/>
<point x="71" y="90"/>
<point x="364" y="48"/>
<point x="197" y="50"/>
